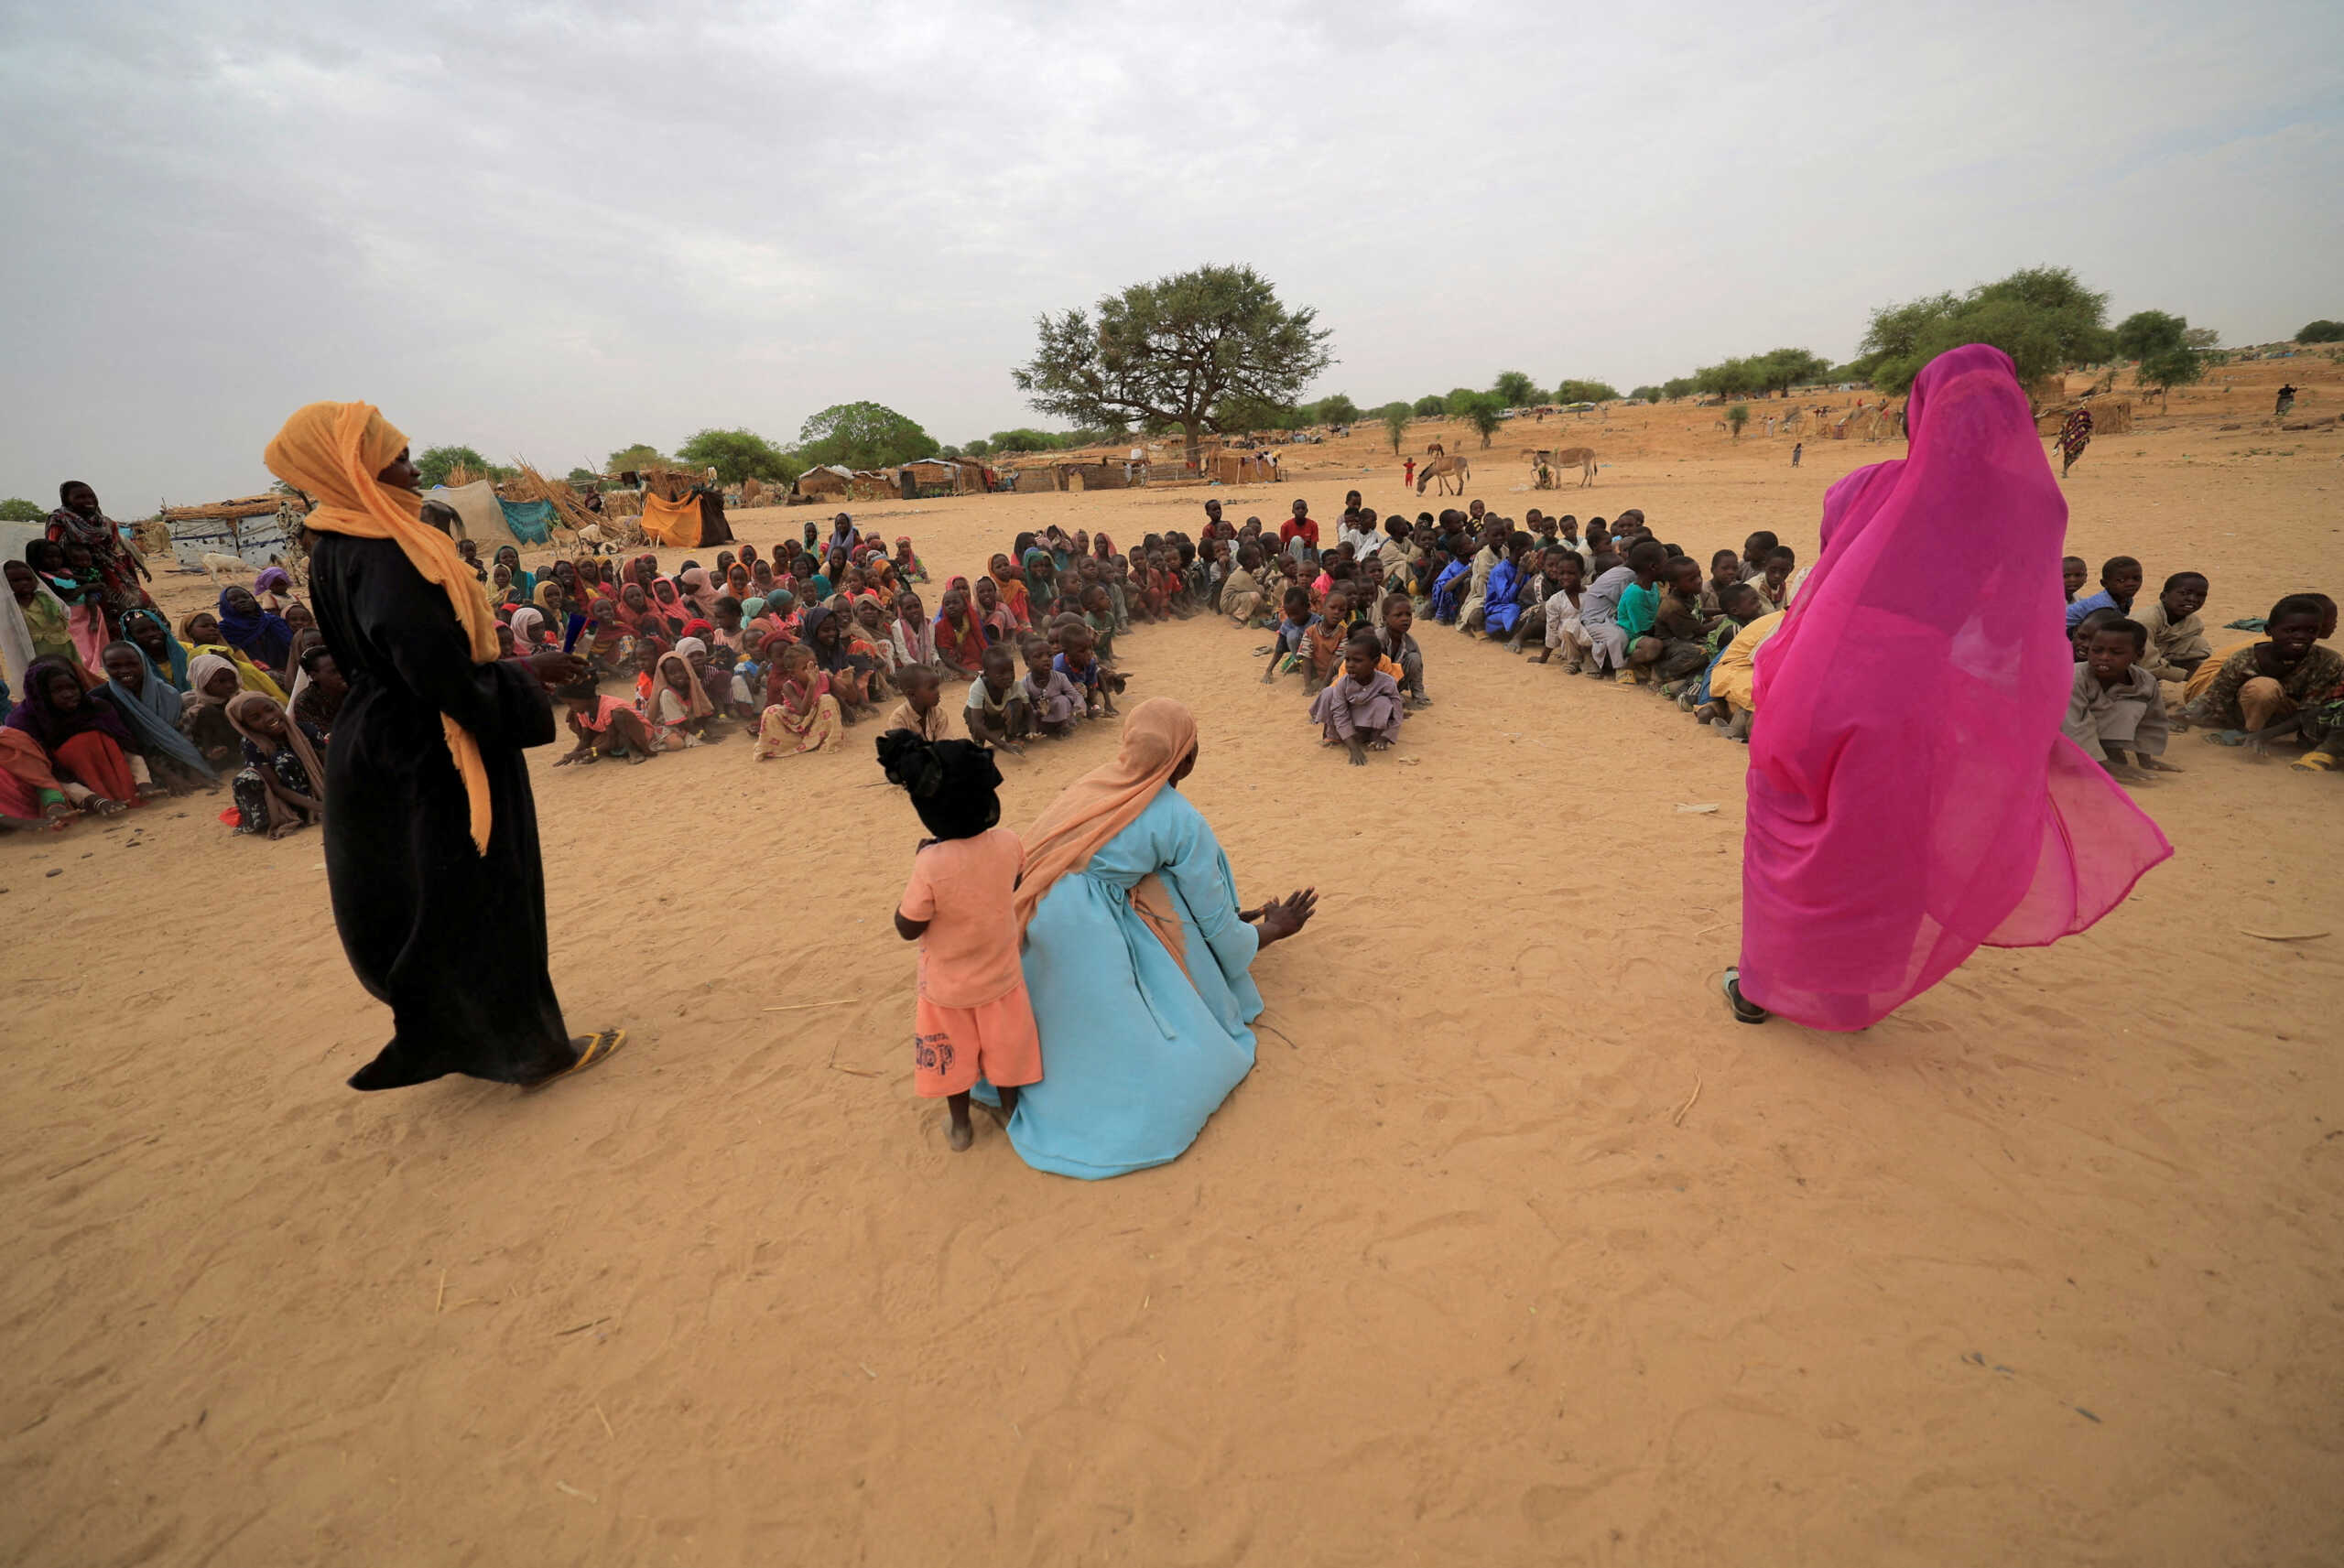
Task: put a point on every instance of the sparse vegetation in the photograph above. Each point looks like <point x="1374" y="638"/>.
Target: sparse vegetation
<point x="738" y="455"/>
<point x="1514" y="389"/>
<point x="1395" y="424"/>
<point x="435" y="463"/>
<point x="1194" y="349"/>
<point x="1586" y="392"/>
<point x="1736" y="417"/>
<point x="861" y="436"/>
<point x="2044" y="317"/>
<point x="628" y="460"/>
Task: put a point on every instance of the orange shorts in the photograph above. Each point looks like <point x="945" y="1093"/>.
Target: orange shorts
<point x="953" y="1046"/>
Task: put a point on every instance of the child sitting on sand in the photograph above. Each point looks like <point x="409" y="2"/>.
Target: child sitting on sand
<point x="1360" y="706"/>
<point x="1530" y="599"/>
<point x="677" y="708"/>
<point x="1741" y="605"/>
<point x="2074" y="571"/>
<point x="1561" y="614"/>
<point x="1294" y="623"/>
<point x="801" y="715"/>
<point x="1773" y="581"/>
<point x="1078" y="661"/>
<point x="998" y="713"/>
<point x="1398" y="648"/>
<point x="1323" y="640"/>
<point x="605" y="726"/>
<point x="973" y="1019"/>
<point x="2177" y="643"/>
<point x="1241" y="592"/>
<point x="2080" y="636"/>
<point x="2120" y="583"/>
<point x="1055" y="703"/>
<point x="921" y="711"/>
<point x="2116" y="705"/>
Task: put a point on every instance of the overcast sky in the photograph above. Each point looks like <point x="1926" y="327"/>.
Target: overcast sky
<point x="552" y="231"/>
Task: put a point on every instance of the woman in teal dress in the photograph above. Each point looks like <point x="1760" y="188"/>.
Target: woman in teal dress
<point x="1137" y="958"/>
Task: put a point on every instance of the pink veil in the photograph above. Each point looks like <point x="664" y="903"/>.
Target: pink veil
<point x="1910" y="794"/>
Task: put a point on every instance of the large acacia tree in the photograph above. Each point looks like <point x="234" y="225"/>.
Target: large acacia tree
<point x="1197" y="349"/>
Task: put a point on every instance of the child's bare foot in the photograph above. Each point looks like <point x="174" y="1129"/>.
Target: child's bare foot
<point x="961" y="1136"/>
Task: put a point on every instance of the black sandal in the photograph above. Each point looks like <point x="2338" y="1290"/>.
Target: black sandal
<point x="1743" y="1010"/>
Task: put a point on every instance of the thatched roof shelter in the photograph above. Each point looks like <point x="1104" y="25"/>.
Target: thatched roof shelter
<point x="265" y="506"/>
<point x="826" y="479"/>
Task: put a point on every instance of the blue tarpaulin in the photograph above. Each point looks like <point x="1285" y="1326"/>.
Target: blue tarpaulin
<point x="531" y="521"/>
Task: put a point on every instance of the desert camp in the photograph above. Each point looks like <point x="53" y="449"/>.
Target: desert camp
<point x="1631" y="889"/>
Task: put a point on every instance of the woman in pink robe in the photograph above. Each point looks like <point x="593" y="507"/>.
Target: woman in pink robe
<point x="1910" y="793"/>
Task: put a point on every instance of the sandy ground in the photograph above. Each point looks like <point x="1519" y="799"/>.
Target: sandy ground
<point x="1513" y="1249"/>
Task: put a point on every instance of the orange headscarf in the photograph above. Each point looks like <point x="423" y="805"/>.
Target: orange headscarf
<point x="333" y="450"/>
<point x="1158" y="735"/>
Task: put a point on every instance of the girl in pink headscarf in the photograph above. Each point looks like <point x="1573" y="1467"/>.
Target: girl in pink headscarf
<point x="1910" y="793"/>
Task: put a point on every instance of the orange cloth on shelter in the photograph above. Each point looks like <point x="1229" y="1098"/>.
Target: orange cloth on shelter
<point x="333" y="450"/>
<point x="675" y="524"/>
<point x="1158" y="735"/>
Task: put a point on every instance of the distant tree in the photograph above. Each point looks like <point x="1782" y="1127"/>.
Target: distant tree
<point x="1728" y="378"/>
<point x="1395" y="424"/>
<point x="1241" y="413"/>
<point x="629" y="459"/>
<point x="2168" y="368"/>
<point x="1514" y="389"/>
<point x="584" y="476"/>
<point x="1432" y="406"/>
<point x="1736" y="417"/>
<point x="861" y="436"/>
<point x="1026" y="439"/>
<point x="1784" y="368"/>
<point x="1481" y="409"/>
<point x="1460" y="399"/>
<point x="977" y="447"/>
<point x="2202" y="337"/>
<point x="1677" y="387"/>
<point x="1183" y="349"/>
<point x="1586" y="392"/>
<point x="2044" y="317"/>
<point x="16" y="509"/>
<point x="432" y="467"/>
<point x="738" y="455"/>
<point x="1646" y="395"/>
<point x="2321" y="331"/>
<point x="1338" y="410"/>
<point x="2144" y="332"/>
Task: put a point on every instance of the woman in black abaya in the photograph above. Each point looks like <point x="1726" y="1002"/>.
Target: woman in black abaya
<point x="431" y="832"/>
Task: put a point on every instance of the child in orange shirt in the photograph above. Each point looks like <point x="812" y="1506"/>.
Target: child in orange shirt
<point x="973" y="1019"/>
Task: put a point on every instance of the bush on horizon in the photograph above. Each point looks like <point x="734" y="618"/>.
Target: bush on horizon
<point x="861" y="436"/>
<point x="1514" y="389"/>
<point x="1137" y="360"/>
<point x="738" y="455"/>
<point x="2043" y="317"/>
